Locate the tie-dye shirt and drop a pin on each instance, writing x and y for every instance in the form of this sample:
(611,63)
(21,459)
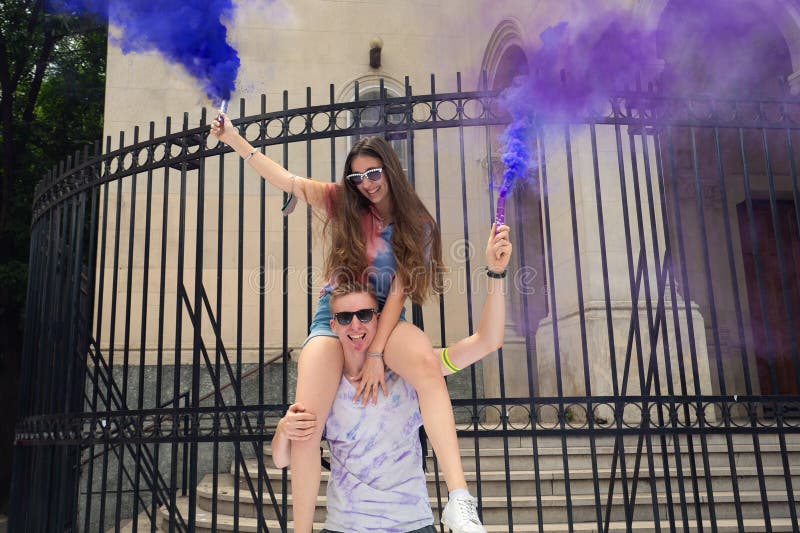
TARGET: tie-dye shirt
(377,483)
(380,255)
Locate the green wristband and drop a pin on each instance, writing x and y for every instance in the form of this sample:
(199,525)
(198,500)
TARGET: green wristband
(447,362)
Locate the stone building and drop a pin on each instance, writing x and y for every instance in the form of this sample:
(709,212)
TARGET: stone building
(325,45)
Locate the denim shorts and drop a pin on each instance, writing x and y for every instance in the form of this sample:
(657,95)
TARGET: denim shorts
(321,323)
(426,529)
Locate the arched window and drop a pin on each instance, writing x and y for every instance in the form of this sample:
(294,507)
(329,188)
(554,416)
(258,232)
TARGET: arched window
(369,88)
(398,139)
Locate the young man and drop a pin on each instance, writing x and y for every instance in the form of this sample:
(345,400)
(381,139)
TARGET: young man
(377,482)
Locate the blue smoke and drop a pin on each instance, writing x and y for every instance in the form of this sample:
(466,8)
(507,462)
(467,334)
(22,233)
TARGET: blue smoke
(188,32)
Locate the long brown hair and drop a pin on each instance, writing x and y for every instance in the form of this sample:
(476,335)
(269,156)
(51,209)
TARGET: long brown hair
(416,240)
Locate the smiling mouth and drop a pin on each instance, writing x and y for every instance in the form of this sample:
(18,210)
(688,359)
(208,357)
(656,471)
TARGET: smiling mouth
(357,337)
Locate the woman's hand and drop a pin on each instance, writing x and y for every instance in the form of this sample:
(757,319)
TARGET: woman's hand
(224,131)
(297,424)
(498,249)
(370,379)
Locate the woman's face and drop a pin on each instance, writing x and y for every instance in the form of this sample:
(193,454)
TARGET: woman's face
(376,191)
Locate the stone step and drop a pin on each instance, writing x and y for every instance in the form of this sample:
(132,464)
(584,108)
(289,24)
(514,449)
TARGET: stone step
(751,525)
(524,508)
(551,459)
(523,482)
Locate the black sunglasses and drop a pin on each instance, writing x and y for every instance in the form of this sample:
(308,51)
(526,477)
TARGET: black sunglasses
(364,315)
(374,174)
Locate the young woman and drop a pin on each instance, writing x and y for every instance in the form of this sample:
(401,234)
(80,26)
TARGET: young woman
(378,230)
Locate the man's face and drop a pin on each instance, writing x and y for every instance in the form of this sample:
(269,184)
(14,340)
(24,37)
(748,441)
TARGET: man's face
(357,335)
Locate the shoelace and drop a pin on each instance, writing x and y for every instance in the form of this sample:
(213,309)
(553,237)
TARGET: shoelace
(468,506)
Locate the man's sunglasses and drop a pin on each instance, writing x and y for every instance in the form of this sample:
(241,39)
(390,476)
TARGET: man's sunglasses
(363,315)
(374,174)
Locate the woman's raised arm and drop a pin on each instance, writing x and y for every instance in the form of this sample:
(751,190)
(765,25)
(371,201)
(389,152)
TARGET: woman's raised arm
(310,191)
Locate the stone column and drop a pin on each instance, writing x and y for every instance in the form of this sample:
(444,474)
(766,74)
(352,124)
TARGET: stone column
(598,350)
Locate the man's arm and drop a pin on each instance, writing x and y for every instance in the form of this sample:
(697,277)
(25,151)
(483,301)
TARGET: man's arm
(491,327)
(297,424)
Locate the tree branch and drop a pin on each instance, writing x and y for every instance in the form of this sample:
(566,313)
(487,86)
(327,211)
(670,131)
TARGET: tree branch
(38,76)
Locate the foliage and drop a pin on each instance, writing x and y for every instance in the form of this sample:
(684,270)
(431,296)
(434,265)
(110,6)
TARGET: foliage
(52,76)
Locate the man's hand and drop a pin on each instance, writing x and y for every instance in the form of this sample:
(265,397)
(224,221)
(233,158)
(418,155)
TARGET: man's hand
(297,424)
(370,379)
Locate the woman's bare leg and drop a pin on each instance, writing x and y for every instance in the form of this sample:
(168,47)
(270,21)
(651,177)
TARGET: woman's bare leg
(319,371)
(409,353)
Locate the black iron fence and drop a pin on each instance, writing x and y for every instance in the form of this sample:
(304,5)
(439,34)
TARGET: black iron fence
(650,378)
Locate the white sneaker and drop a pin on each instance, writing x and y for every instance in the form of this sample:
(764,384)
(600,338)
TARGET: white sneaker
(461,515)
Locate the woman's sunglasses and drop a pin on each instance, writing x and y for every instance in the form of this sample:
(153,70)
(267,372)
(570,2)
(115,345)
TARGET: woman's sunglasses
(374,174)
(363,315)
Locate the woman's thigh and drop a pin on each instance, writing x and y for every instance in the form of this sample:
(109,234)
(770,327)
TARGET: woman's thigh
(409,352)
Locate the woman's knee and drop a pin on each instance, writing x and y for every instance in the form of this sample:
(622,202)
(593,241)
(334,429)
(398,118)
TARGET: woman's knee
(409,351)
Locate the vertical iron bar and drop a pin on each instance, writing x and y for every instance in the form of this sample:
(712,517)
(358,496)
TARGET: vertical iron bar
(667,277)
(438,208)
(239,333)
(712,308)
(176,377)
(587,383)
(475,418)
(556,342)
(660,321)
(745,365)
(262,310)
(528,341)
(198,309)
(98,341)
(121,455)
(787,304)
(76,381)
(128,295)
(609,316)
(690,325)
(644,383)
(500,360)
(112,327)
(161,308)
(90,300)
(619,406)
(218,336)
(143,335)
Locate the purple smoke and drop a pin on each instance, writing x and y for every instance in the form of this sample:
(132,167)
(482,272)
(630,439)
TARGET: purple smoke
(188,32)
(698,47)
(574,70)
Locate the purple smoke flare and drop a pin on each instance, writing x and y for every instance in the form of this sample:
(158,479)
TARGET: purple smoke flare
(699,47)
(188,32)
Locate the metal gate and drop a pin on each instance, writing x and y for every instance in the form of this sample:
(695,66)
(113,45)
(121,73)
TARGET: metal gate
(650,379)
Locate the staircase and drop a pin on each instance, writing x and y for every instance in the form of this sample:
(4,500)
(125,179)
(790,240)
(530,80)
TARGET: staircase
(520,507)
